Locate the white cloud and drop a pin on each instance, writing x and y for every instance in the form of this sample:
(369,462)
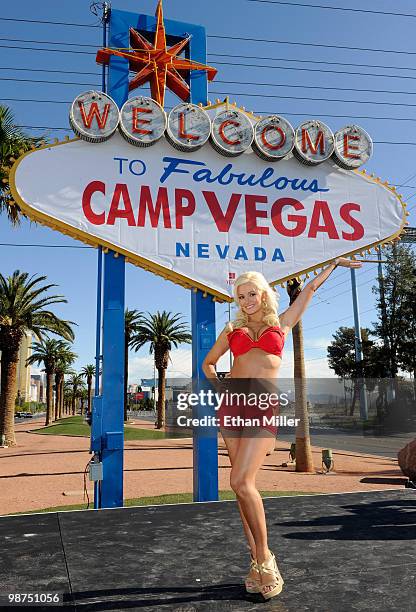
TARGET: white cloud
(141,366)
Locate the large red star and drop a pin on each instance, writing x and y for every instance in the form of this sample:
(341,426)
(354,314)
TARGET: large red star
(156,63)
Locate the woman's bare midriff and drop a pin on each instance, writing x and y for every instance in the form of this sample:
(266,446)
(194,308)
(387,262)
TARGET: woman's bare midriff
(256,363)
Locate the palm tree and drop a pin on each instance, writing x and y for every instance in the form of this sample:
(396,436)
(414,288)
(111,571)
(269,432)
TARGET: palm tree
(88,372)
(76,382)
(65,359)
(82,395)
(132,319)
(304,461)
(13,142)
(48,352)
(67,397)
(162,330)
(23,307)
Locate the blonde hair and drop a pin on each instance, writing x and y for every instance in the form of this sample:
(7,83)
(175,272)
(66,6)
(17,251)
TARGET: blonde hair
(270,316)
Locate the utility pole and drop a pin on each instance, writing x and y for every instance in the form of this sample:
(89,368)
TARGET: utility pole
(359,348)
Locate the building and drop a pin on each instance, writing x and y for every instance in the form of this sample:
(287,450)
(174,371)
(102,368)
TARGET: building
(37,388)
(23,371)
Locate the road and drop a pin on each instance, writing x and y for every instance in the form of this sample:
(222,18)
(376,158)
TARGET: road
(383,446)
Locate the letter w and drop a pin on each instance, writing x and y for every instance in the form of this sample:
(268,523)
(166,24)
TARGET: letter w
(94,112)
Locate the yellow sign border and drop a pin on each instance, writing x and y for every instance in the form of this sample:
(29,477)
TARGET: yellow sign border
(166,274)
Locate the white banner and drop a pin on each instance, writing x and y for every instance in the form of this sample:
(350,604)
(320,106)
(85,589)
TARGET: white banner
(200,218)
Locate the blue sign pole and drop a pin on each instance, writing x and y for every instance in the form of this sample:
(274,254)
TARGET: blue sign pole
(205,440)
(107,427)
(112,408)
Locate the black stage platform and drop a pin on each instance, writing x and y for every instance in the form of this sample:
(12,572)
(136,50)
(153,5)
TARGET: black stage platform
(337,553)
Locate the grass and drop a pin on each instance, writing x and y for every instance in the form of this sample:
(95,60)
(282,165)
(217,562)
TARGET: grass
(76,426)
(171,498)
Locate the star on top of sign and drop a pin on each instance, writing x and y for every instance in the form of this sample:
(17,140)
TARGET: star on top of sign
(156,63)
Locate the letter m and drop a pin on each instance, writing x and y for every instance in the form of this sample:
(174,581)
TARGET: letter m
(94,112)
(313,147)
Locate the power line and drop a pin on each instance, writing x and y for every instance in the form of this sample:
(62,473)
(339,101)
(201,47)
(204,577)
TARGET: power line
(262,95)
(40,127)
(390,91)
(337,320)
(334,8)
(243,38)
(282,112)
(310,61)
(49,70)
(45,246)
(60,23)
(49,82)
(50,42)
(249,94)
(390,76)
(307,44)
(411,93)
(48,50)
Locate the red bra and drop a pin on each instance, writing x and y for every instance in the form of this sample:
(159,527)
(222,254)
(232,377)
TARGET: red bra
(271,340)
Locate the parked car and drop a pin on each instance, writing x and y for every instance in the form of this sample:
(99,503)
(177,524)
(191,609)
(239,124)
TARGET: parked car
(27,415)
(18,415)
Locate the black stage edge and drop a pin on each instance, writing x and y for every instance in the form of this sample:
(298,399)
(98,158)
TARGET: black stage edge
(337,553)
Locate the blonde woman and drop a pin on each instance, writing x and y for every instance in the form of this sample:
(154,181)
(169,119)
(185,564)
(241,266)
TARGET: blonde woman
(256,339)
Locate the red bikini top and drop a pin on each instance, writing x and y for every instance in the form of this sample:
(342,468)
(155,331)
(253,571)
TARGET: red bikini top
(271,340)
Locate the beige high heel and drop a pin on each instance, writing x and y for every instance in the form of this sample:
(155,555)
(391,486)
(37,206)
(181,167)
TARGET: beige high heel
(253,585)
(275,579)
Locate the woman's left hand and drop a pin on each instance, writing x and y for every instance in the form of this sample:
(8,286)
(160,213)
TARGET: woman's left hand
(347,263)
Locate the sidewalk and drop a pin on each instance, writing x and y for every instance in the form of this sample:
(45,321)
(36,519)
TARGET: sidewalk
(44,470)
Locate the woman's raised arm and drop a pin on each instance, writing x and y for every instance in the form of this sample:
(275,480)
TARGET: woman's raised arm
(294,313)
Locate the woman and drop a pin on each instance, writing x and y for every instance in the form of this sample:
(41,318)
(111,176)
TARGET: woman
(256,339)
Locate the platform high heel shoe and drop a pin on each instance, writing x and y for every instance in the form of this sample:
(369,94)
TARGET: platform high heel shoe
(270,577)
(253,585)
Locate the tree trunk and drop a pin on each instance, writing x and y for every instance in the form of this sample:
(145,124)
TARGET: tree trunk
(8,397)
(304,460)
(354,397)
(161,412)
(57,395)
(62,402)
(414,384)
(73,402)
(89,400)
(126,375)
(49,397)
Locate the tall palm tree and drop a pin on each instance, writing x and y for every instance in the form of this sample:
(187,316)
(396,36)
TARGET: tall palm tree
(161,330)
(65,359)
(13,142)
(132,319)
(88,372)
(47,352)
(82,395)
(23,307)
(304,461)
(76,382)
(67,397)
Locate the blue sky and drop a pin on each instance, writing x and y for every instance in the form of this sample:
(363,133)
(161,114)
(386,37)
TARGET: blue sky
(376,89)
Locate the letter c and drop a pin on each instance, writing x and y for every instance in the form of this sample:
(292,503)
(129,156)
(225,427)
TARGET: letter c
(94,218)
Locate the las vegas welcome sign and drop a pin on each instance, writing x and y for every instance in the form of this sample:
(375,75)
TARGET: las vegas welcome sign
(203,194)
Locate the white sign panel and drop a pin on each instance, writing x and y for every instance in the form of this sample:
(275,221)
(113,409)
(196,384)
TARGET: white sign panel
(199,218)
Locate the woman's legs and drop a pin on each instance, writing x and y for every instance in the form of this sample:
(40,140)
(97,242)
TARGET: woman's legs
(248,459)
(232,444)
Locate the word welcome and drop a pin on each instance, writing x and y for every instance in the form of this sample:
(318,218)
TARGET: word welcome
(94,117)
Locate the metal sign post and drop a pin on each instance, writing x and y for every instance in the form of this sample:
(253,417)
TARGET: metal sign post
(109,409)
